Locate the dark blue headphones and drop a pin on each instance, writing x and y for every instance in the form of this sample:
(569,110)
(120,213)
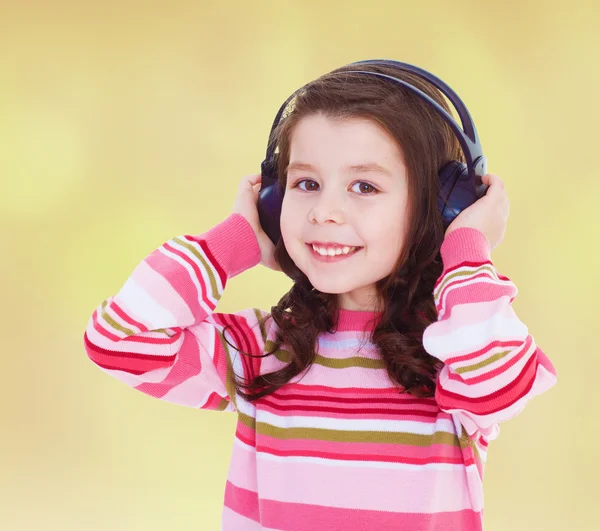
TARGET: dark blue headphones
(461,183)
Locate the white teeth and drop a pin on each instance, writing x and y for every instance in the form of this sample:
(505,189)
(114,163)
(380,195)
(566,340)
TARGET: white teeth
(333,252)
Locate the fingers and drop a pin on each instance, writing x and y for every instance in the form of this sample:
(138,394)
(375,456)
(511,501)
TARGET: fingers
(498,190)
(251,179)
(496,185)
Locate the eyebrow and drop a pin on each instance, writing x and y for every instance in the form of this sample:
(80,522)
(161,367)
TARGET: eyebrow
(359,168)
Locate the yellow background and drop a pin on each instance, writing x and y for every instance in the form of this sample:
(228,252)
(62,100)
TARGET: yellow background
(126,123)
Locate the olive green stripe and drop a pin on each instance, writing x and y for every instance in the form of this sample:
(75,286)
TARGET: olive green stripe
(413,439)
(247,420)
(456,274)
(222,405)
(207,267)
(351,436)
(121,328)
(465,442)
(354,361)
(114,324)
(259,318)
(483,363)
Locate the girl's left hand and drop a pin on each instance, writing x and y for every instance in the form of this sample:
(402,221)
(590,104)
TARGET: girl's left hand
(488,214)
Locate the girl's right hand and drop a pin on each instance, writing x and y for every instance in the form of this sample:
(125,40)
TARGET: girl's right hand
(245,205)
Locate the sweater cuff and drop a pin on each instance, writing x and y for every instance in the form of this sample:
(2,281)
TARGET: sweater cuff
(233,244)
(464,244)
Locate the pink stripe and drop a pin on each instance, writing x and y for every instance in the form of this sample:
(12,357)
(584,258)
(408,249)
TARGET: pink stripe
(239,339)
(473,293)
(219,354)
(187,364)
(133,364)
(213,401)
(394,400)
(500,397)
(129,346)
(423,490)
(473,356)
(462,284)
(242,501)
(391,452)
(303,517)
(101,329)
(356,411)
(176,278)
(325,454)
(344,393)
(203,242)
(509,361)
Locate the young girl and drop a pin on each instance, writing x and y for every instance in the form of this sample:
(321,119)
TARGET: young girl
(367,397)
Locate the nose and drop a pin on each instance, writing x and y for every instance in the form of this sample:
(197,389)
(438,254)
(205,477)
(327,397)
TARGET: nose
(327,207)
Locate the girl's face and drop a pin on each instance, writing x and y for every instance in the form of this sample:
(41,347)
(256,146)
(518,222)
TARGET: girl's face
(327,200)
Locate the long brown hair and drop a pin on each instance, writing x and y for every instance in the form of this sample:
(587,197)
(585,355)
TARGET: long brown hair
(427,143)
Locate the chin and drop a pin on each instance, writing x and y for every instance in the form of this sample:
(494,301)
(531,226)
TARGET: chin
(332,287)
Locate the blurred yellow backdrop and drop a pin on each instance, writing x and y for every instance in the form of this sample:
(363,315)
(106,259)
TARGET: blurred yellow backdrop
(126,123)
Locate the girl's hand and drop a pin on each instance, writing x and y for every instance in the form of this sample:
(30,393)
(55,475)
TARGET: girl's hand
(245,205)
(488,214)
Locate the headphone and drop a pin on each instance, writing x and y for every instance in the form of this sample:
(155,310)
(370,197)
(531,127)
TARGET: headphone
(461,183)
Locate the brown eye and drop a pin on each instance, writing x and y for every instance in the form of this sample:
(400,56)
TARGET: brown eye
(367,189)
(297,185)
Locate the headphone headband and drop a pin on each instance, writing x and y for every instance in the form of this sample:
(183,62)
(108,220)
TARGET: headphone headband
(467,135)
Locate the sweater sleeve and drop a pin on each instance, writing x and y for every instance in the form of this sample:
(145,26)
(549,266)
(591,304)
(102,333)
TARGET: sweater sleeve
(492,365)
(159,333)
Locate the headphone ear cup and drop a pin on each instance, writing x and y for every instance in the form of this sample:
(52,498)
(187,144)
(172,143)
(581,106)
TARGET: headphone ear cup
(459,189)
(270,199)
(449,203)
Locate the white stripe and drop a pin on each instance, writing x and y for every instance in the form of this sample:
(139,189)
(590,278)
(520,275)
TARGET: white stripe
(470,338)
(137,302)
(394,426)
(351,344)
(357,464)
(128,346)
(245,407)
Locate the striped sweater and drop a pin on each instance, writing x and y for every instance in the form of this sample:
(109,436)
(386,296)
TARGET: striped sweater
(338,447)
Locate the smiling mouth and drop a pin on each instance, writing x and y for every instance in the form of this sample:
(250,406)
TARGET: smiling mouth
(332,258)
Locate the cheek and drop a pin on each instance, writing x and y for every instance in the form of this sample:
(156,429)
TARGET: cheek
(285,222)
(386,238)
(289,225)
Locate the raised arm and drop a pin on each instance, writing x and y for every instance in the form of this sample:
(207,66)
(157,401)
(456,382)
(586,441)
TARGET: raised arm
(159,334)
(492,365)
